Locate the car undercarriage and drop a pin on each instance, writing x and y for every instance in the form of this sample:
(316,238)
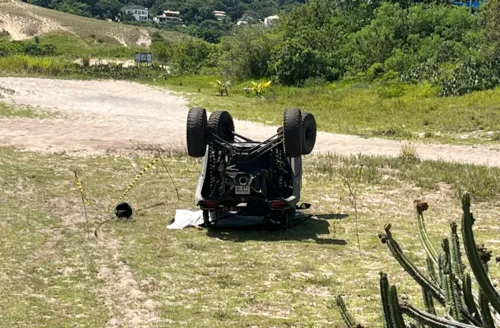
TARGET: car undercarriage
(243,177)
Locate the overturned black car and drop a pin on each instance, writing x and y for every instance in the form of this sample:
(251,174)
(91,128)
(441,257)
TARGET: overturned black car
(244,177)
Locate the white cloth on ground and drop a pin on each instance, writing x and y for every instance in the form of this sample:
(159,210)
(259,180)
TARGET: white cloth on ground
(189,218)
(186,218)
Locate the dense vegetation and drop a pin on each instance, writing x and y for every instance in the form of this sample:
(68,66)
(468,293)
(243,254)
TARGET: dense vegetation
(326,40)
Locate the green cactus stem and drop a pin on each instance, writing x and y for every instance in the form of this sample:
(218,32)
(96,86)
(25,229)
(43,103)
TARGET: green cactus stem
(429,319)
(456,254)
(386,303)
(476,264)
(452,303)
(412,270)
(424,236)
(441,269)
(397,316)
(469,298)
(445,244)
(428,302)
(449,286)
(344,312)
(431,269)
(485,311)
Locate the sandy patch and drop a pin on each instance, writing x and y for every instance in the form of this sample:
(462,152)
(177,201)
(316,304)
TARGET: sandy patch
(28,25)
(119,115)
(23,21)
(122,295)
(99,61)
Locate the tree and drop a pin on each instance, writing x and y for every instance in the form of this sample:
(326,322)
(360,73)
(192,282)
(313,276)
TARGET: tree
(490,16)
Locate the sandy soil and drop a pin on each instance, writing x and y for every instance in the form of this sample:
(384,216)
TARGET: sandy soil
(120,116)
(23,21)
(25,27)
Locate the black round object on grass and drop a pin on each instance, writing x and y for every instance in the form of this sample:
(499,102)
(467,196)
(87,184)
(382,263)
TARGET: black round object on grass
(123,211)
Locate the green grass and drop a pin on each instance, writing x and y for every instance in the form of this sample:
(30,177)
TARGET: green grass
(54,275)
(395,111)
(7,110)
(73,46)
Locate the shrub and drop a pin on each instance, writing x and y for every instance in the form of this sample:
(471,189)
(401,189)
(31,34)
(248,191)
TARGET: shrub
(472,76)
(189,56)
(293,62)
(247,54)
(375,71)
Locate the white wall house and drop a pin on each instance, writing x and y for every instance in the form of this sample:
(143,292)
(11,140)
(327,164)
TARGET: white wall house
(268,21)
(219,14)
(140,14)
(168,17)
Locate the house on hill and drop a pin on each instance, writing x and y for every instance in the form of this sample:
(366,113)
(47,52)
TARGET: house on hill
(140,14)
(245,20)
(268,21)
(168,17)
(219,14)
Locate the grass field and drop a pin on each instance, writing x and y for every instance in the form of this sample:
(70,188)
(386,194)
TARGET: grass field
(23,20)
(55,273)
(395,111)
(9,111)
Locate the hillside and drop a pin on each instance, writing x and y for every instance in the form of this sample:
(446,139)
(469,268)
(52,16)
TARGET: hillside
(23,21)
(191,11)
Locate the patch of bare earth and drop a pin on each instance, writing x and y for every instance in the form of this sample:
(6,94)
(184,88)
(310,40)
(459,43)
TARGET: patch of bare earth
(119,115)
(23,21)
(25,26)
(130,307)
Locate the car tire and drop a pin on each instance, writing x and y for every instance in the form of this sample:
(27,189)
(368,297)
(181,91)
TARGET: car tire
(292,132)
(195,134)
(221,123)
(310,130)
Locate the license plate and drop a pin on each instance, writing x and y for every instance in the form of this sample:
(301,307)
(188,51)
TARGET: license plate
(242,190)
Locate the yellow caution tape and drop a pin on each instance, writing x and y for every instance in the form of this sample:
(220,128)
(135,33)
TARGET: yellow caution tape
(82,192)
(137,177)
(129,187)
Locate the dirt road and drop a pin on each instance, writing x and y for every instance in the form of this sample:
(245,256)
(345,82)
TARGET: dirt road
(110,115)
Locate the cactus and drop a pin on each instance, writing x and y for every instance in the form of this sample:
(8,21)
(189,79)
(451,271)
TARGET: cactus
(412,270)
(485,311)
(428,302)
(431,269)
(452,298)
(397,316)
(429,319)
(441,269)
(476,264)
(422,233)
(346,316)
(469,298)
(386,305)
(456,255)
(451,285)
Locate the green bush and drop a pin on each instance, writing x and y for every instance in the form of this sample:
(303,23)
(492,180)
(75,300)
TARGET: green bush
(26,48)
(472,76)
(293,62)
(490,19)
(189,56)
(375,71)
(247,54)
